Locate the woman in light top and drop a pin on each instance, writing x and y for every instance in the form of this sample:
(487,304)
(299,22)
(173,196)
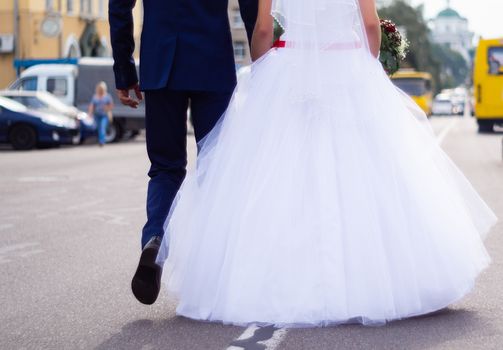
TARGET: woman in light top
(100,108)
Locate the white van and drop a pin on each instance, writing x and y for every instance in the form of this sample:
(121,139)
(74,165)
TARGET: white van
(74,85)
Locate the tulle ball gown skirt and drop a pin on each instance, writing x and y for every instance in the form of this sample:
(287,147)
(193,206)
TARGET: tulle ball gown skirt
(322,199)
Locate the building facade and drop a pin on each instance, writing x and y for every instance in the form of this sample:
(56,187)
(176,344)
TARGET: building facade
(50,29)
(451,29)
(240,40)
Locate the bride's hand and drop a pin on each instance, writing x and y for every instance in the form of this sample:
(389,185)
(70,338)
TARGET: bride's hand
(263,32)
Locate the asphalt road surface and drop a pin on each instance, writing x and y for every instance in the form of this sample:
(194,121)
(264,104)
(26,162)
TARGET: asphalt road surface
(69,242)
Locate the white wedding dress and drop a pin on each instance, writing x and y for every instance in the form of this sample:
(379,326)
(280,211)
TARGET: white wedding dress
(322,197)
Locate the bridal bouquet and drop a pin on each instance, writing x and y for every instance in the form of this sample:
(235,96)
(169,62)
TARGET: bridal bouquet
(393,47)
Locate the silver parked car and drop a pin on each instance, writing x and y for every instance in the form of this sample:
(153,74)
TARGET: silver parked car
(443,105)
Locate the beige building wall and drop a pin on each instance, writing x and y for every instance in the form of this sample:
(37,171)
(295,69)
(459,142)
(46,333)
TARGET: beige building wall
(74,16)
(6,27)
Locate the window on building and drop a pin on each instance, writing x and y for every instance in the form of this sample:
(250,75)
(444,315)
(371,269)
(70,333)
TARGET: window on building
(49,5)
(57,86)
(86,7)
(101,8)
(69,6)
(239,50)
(237,21)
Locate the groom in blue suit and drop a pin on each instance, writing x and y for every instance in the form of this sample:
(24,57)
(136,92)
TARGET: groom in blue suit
(186,59)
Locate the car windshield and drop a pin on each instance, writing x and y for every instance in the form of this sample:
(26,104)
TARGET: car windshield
(30,101)
(40,101)
(54,102)
(411,86)
(11,105)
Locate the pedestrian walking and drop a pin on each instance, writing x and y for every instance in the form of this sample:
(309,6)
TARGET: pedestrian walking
(100,108)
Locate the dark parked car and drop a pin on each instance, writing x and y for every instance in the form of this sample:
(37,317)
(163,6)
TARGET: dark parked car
(26,129)
(74,84)
(46,102)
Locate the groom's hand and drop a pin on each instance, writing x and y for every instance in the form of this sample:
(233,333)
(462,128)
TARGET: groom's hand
(126,99)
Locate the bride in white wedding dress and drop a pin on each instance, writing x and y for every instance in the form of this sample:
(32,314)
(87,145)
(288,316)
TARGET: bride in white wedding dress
(321,197)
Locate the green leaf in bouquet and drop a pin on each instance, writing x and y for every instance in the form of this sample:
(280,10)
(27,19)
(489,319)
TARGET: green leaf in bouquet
(278,30)
(384,42)
(384,56)
(394,67)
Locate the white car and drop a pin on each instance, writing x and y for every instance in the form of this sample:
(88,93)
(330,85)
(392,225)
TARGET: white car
(442,105)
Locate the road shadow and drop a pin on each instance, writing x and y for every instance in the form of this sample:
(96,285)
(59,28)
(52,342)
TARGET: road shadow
(417,333)
(429,331)
(178,333)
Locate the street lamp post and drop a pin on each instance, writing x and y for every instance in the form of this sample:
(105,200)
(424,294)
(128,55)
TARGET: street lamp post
(60,36)
(16,32)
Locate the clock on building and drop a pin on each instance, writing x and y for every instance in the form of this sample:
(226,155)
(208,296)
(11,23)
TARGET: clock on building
(51,26)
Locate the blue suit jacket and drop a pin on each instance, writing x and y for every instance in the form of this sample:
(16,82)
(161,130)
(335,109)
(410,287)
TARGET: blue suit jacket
(185,44)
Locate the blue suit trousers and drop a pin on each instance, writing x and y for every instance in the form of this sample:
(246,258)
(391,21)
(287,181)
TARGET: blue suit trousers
(166,133)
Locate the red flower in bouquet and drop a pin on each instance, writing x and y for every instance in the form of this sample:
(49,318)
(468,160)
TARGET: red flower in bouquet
(393,47)
(388,26)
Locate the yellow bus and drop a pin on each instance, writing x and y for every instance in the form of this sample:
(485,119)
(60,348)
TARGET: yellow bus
(417,85)
(488,84)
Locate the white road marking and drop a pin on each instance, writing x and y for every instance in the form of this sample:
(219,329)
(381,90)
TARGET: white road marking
(9,217)
(84,205)
(115,216)
(110,218)
(270,344)
(276,339)
(248,333)
(13,247)
(445,131)
(41,179)
(47,214)
(21,250)
(6,226)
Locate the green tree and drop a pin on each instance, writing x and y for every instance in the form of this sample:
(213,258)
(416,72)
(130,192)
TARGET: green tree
(453,67)
(447,67)
(416,31)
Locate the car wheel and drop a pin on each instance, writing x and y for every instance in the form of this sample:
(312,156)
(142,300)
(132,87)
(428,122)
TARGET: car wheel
(114,132)
(130,134)
(23,137)
(485,126)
